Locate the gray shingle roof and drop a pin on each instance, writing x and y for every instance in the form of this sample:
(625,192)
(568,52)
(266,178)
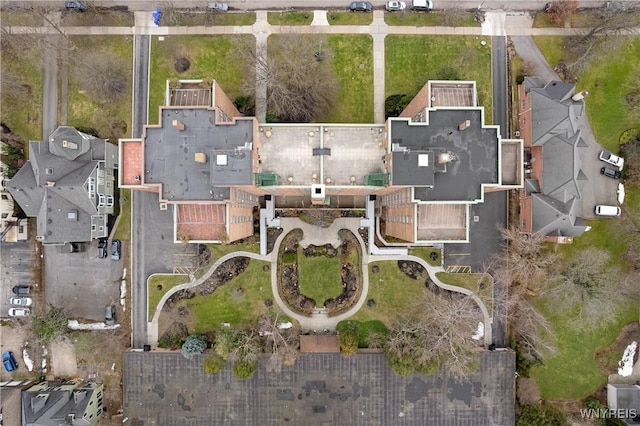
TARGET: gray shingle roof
(51,185)
(552,217)
(562,177)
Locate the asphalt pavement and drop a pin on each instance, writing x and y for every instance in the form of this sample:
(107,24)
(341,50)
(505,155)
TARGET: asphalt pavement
(500,84)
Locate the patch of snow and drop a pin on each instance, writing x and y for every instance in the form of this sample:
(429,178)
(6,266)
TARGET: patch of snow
(124,273)
(45,352)
(28,362)
(625,365)
(284,325)
(123,292)
(75,325)
(479,334)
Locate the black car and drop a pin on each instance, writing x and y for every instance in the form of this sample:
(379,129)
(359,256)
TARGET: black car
(609,172)
(102,248)
(361,6)
(116,247)
(21,289)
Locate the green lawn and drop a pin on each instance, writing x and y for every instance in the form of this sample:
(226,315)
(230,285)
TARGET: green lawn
(605,80)
(124,225)
(353,64)
(227,305)
(413,60)
(425,254)
(212,57)
(166,283)
(177,17)
(363,329)
(394,294)
(319,277)
(290,18)
(434,19)
(93,17)
(349,18)
(21,110)
(573,373)
(110,120)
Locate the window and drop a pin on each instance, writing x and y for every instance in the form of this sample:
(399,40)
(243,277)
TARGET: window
(5,215)
(4,197)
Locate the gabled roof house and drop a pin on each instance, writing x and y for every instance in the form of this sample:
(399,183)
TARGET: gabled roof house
(68,403)
(554,150)
(68,184)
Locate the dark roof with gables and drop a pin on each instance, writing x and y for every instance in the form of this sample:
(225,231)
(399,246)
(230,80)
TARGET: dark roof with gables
(553,217)
(52,184)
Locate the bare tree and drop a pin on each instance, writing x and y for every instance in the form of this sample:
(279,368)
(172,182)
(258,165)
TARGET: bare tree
(284,344)
(246,347)
(103,75)
(632,89)
(298,75)
(526,261)
(593,288)
(528,328)
(441,333)
(561,10)
(605,23)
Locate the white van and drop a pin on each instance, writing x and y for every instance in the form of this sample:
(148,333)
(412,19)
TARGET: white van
(602,210)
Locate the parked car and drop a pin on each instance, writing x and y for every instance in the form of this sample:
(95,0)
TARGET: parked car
(110,315)
(102,248)
(217,6)
(609,172)
(612,159)
(361,6)
(422,5)
(19,312)
(9,361)
(615,6)
(75,5)
(21,289)
(602,210)
(21,301)
(395,5)
(73,247)
(116,249)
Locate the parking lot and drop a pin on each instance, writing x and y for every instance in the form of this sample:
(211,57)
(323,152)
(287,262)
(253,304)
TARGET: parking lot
(17,266)
(81,282)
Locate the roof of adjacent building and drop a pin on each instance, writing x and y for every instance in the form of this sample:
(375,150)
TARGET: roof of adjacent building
(195,158)
(554,117)
(51,185)
(623,397)
(473,154)
(50,406)
(318,389)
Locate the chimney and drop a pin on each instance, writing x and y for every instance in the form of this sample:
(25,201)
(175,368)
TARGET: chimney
(178,124)
(464,125)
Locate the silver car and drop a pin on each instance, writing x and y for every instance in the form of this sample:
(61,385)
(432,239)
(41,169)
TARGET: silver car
(395,5)
(21,301)
(217,6)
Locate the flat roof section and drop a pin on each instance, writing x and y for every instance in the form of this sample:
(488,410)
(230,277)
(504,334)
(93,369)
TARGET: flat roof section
(201,222)
(355,152)
(190,155)
(442,222)
(452,95)
(318,389)
(510,163)
(288,152)
(472,149)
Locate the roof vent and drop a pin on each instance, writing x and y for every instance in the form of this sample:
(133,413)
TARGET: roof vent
(464,125)
(201,157)
(221,160)
(444,157)
(178,124)
(70,145)
(72,215)
(48,170)
(423,160)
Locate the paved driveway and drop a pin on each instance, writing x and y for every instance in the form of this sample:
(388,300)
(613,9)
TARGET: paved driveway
(81,282)
(16,264)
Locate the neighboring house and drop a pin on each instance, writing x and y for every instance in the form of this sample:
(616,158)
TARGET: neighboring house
(423,169)
(624,401)
(68,403)
(68,184)
(554,150)
(12,228)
